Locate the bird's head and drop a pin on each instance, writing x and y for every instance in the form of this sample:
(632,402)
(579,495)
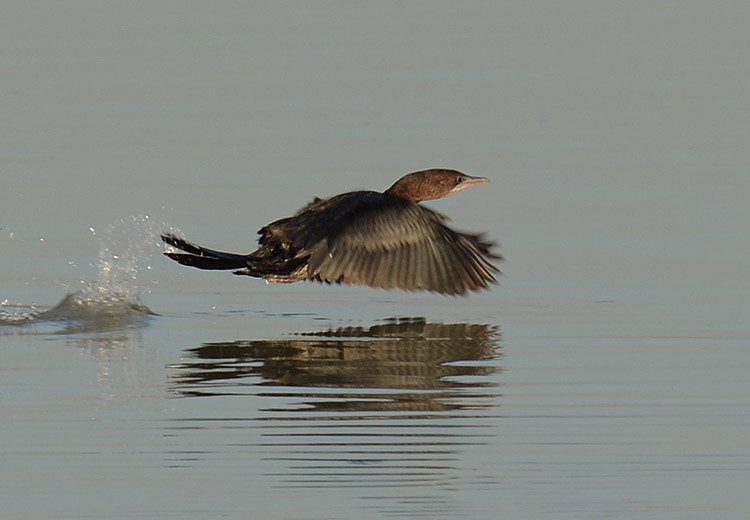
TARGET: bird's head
(432,184)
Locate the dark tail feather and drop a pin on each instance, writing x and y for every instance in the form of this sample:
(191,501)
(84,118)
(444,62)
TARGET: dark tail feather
(201,257)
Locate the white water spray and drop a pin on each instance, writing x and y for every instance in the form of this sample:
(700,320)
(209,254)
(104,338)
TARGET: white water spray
(113,298)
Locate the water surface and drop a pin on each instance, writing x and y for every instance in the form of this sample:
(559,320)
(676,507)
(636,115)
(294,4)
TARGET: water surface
(604,378)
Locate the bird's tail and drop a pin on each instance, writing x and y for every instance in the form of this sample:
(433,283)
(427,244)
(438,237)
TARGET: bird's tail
(201,257)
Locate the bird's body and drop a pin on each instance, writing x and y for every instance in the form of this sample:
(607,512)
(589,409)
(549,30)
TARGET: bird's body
(384,240)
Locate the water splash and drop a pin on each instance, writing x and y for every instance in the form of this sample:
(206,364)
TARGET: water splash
(113,299)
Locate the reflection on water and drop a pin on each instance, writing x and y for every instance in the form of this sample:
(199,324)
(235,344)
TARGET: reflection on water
(388,408)
(394,357)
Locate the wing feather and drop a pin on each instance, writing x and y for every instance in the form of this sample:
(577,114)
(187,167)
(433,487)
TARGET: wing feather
(386,242)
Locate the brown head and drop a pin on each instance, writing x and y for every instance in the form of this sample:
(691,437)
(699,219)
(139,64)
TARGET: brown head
(432,184)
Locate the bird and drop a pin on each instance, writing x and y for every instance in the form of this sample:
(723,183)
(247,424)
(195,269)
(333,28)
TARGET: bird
(378,239)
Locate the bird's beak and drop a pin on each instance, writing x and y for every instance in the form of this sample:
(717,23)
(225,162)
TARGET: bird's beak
(470,181)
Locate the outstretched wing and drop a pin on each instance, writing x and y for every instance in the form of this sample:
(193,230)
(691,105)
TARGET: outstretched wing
(387,242)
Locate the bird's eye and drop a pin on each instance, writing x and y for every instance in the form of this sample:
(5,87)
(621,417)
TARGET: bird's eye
(459,179)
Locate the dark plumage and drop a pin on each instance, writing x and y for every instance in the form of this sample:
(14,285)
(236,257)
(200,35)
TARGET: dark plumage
(376,239)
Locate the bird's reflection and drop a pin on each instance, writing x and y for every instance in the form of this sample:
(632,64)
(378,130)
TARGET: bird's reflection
(398,413)
(399,365)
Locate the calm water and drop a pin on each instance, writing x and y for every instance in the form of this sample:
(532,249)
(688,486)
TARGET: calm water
(604,378)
